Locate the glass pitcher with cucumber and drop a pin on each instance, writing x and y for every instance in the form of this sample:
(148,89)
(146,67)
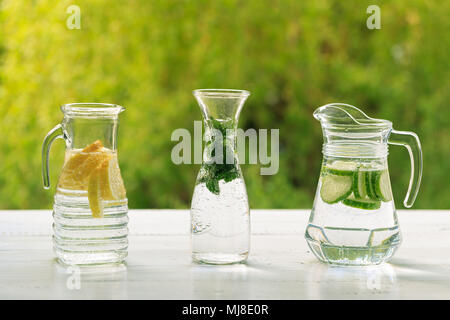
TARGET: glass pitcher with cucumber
(353,220)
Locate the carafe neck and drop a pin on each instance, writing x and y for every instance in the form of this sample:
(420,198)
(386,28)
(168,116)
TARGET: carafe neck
(220,141)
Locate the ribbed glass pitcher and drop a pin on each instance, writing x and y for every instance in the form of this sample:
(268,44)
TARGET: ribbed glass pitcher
(353,220)
(90,205)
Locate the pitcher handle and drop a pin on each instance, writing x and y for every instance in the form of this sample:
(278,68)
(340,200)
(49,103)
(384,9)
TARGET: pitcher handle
(55,133)
(411,142)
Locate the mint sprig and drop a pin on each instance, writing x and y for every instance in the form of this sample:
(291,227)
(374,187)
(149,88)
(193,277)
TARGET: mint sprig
(212,173)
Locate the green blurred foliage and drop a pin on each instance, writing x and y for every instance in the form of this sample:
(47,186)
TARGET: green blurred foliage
(293,56)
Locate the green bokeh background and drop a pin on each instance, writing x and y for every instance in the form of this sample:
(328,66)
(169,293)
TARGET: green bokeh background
(293,56)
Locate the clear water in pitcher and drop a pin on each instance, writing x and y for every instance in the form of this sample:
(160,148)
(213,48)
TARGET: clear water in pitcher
(353,221)
(90,208)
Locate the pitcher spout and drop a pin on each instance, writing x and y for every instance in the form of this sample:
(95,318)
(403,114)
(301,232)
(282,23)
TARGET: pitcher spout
(349,132)
(341,114)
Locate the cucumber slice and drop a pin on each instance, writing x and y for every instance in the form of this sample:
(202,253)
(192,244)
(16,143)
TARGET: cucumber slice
(374,181)
(335,188)
(365,204)
(382,186)
(359,184)
(368,184)
(371,177)
(341,168)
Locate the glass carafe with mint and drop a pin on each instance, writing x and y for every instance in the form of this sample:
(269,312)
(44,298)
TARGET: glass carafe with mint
(90,205)
(353,220)
(220,214)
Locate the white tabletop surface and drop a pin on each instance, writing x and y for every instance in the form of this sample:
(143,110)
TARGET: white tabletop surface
(280,265)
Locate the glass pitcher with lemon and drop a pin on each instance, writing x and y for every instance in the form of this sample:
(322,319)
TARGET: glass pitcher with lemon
(90,209)
(353,220)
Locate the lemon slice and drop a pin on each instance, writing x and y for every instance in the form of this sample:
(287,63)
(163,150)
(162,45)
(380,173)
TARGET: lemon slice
(78,168)
(94,193)
(111,183)
(94,169)
(105,183)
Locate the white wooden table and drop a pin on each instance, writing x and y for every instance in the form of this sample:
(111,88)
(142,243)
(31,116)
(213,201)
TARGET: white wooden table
(280,265)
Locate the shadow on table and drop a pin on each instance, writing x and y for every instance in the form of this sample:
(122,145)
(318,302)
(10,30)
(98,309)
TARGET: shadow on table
(311,280)
(411,268)
(371,282)
(90,282)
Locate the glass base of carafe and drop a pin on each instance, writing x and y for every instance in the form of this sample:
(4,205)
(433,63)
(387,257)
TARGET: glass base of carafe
(80,239)
(220,223)
(219,258)
(346,255)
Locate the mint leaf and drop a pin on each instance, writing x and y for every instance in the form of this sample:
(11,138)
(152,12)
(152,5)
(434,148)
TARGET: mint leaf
(212,173)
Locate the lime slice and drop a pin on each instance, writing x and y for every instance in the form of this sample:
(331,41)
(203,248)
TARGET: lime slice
(335,188)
